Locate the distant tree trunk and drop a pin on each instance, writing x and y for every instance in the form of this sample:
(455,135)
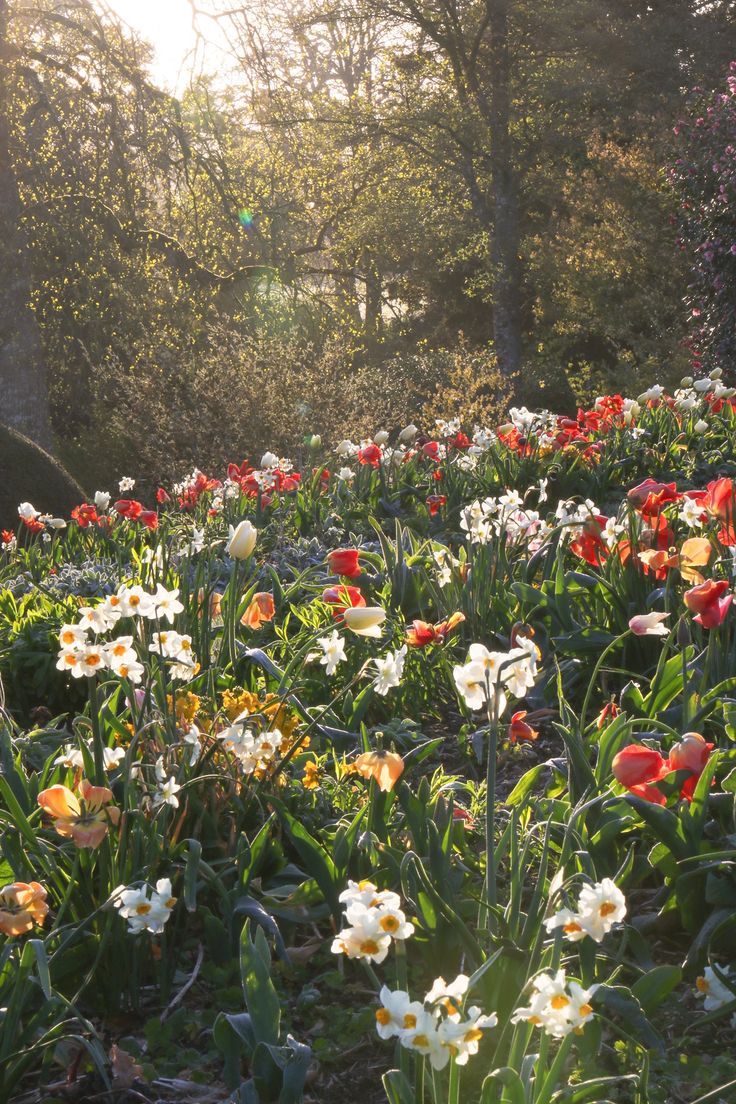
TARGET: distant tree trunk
(24,401)
(505,258)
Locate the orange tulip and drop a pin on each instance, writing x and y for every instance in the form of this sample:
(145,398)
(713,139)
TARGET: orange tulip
(22,905)
(82,818)
(385,767)
(261,609)
(695,552)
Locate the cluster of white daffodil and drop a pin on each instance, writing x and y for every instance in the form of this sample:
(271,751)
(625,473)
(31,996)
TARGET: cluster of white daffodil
(82,654)
(486,676)
(557,1005)
(146,908)
(375,918)
(437,1026)
(600,906)
(507,515)
(72,758)
(254,751)
(389,668)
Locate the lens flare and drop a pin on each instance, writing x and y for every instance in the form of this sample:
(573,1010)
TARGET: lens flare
(245,218)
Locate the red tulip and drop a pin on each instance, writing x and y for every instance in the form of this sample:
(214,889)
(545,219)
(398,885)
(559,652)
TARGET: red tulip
(608,713)
(434,502)
(342,597)
(650,496)
(637,767)
(519,729)
(709,602)
(344,561)
(85,515)
(128,508)
(423,633)
(589,544)
(371,454)
(718,498)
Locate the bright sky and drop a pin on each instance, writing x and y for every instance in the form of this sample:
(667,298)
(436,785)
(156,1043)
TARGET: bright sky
(167,25)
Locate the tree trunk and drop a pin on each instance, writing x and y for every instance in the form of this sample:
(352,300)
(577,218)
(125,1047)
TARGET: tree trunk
(24,401)
(504,253)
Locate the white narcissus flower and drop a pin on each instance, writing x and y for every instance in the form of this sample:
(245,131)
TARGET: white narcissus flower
(364,938)
(600,906)
(73,636)
(691,513)
(191,738)
(145,909)
(242,541)
(462,1037)
(135,602)
(333,648)
(397,1012)
(390,669)
(365,620)
(471,682)
(167,603)
(95,618)
(166,793)
(570,923)
(649,624)
(558,1007)
(449,994)
(715,990)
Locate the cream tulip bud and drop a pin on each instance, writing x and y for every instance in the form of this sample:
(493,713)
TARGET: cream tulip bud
(408,434)
(365,620)
(269,460)
(102,500)
(242,540)
(381,437)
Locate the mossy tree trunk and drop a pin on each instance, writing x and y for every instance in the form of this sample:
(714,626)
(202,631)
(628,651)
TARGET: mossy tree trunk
(24,401)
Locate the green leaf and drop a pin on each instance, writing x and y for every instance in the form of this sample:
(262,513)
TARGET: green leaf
(261,998)
(525,785)
(191,871)
(397,1087)
(510,1080)
(622,1003)
(583,641)
(651,989)
(316,859)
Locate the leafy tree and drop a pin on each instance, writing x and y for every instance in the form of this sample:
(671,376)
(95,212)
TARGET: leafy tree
(705,176)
